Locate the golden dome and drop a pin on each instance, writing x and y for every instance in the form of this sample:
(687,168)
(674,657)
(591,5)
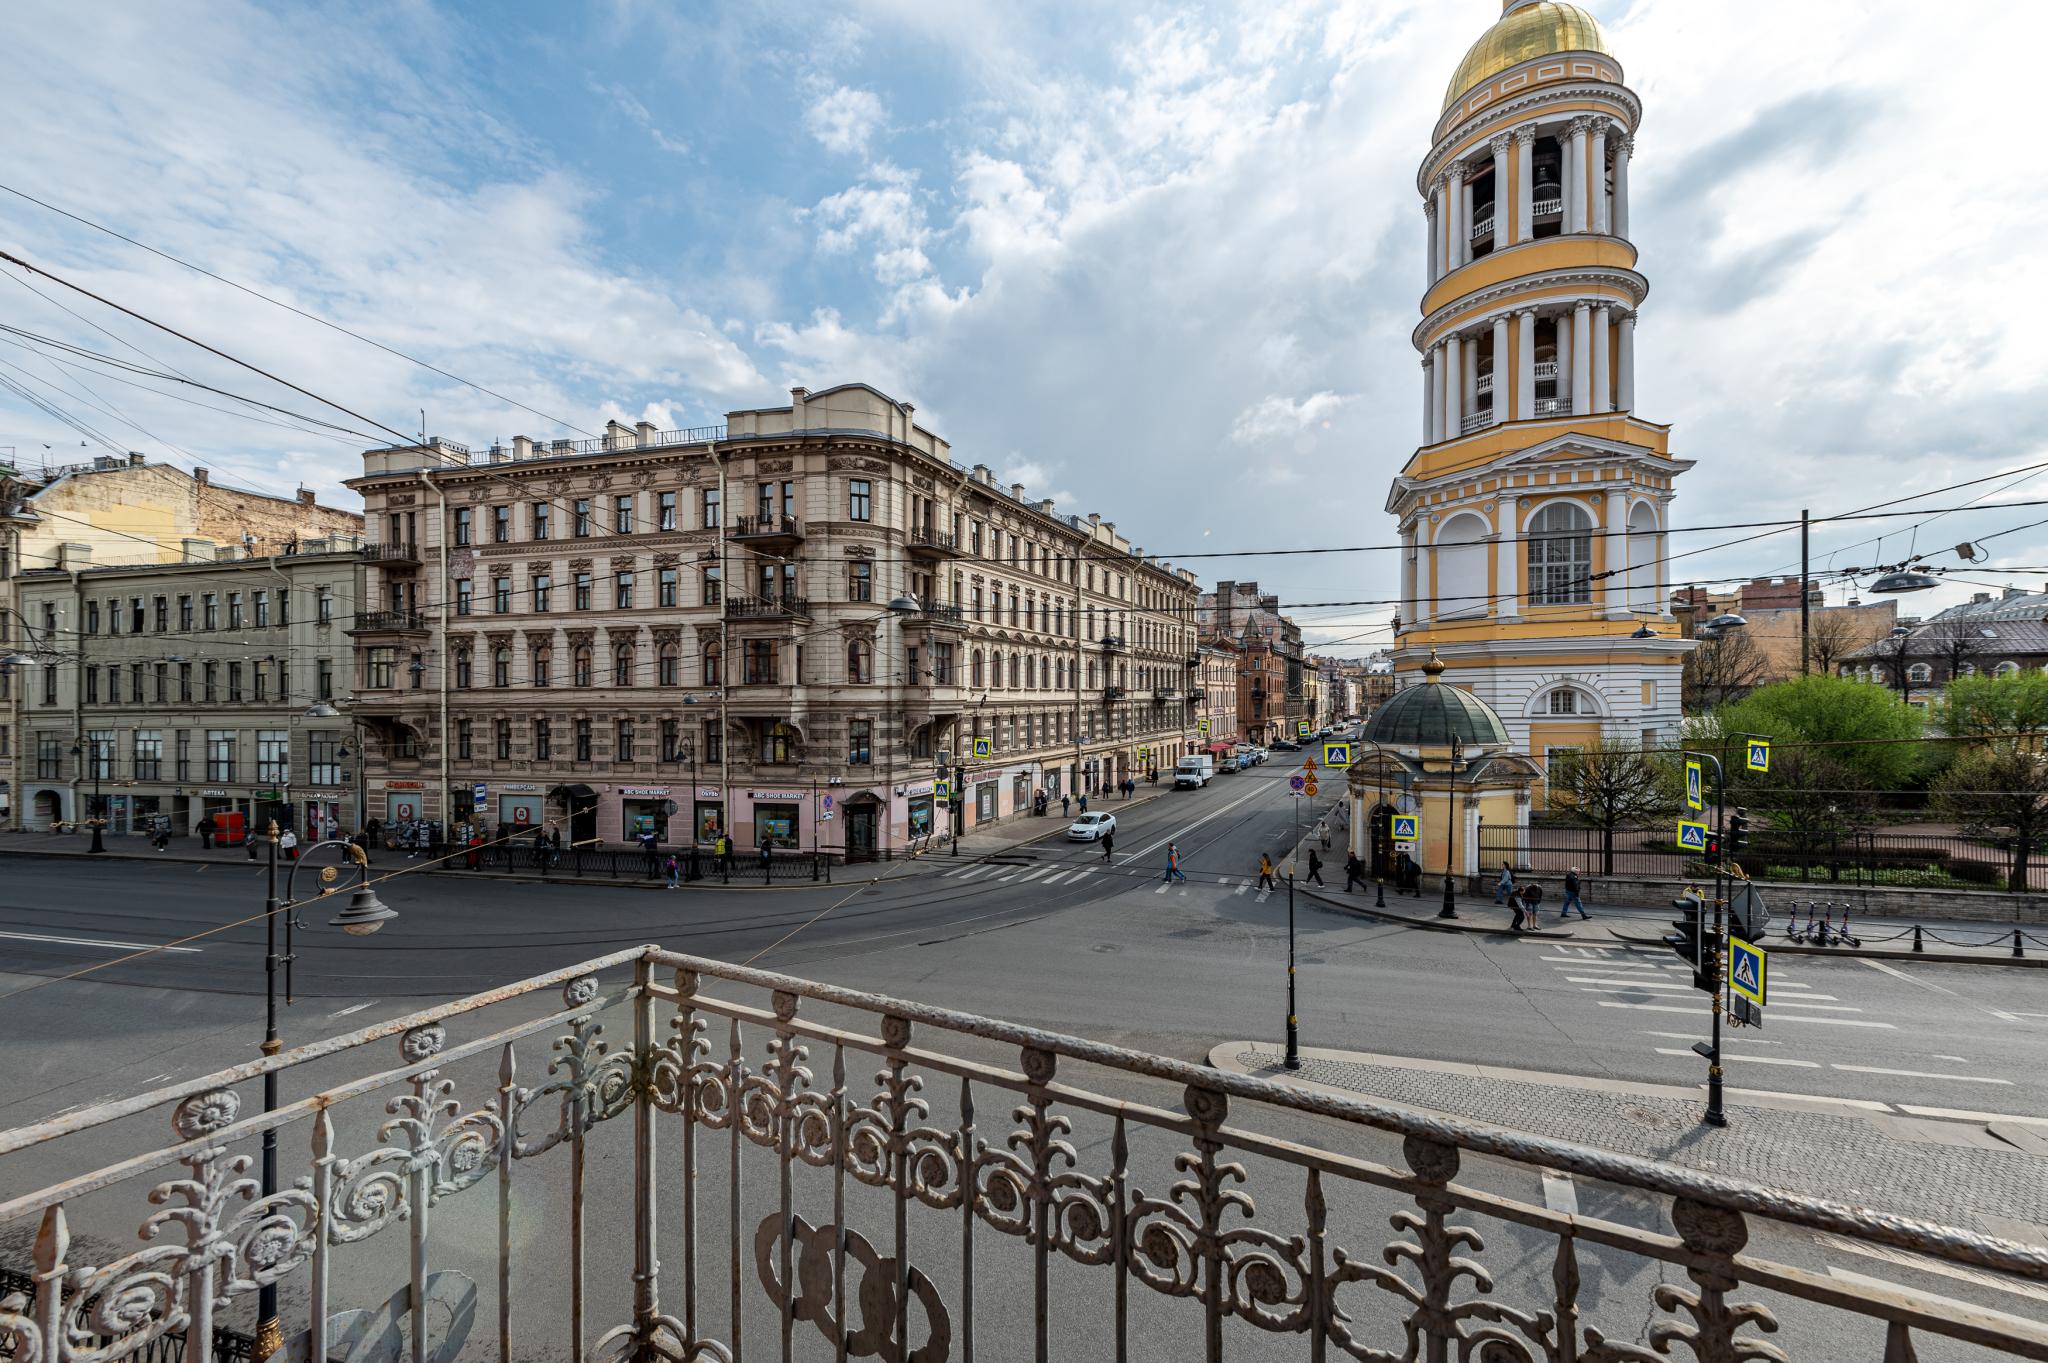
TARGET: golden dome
(1538,30)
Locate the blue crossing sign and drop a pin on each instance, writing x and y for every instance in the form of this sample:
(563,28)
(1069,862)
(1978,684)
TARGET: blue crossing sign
(1336,754)
(942,790)
(984,747)
(1760,754)
(1692,784)
(1692,837)
(1407,827)
(1747,965)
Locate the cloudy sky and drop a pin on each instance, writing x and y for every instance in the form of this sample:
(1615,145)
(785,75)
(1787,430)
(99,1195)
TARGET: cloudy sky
(1159,261)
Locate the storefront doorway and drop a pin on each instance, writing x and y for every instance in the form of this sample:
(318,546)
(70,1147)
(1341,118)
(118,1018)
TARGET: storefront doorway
(709,821)
(577,808)
(861,817)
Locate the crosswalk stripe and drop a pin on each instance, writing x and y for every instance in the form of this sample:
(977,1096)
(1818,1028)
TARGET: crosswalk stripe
(1038,872)
(1056,877)
(1080,876)
(974,872)
(1748,1059)
(1834,1022)
(1241,889)
(1817,1007)
(957,870)
(1920,1074)
(1647,1007)
(1161,890)
(1011,874)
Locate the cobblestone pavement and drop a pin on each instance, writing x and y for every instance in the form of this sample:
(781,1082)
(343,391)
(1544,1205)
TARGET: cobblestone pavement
(1845,1157)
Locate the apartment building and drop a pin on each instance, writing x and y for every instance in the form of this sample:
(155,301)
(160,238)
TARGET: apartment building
(180,689)
(807,626)
(1216,694)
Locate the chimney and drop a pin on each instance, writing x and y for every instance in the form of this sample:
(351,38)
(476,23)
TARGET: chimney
(522,447)
(74,556)
(615,436)
(306,496)
(199,476)
(2011,592)
(799,409)
(198,551)
(1979,598)
(135,459)
(1017,491)
(1094,518)
(982,474)
(646,431)
(1045,505)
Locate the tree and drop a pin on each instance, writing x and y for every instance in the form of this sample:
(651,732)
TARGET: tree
(1867,730)
(1897,650)
(1951,642)
(1832,635)
(1721,669)
(1979,706)
(1610,786)
(1999,792)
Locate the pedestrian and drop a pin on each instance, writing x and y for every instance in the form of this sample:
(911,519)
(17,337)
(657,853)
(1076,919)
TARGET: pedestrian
(1571,897)
(249,841)
(1084,802)
(726,860)
(1504,888)
(1066,806)
(1408,876)
(767,847)
(206,825)
(473,858)
(1266,872)
(1315,868)
(1354,872)
(1173,871)
(1323,833)
(675,872)
(289,843)
(1108,843)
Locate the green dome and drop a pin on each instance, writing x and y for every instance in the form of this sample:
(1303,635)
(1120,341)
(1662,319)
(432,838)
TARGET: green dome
(1431,715)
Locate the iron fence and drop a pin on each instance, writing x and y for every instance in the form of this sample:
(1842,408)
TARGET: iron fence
(18,1292)
(1846,857)
(956,1200)
(693,863)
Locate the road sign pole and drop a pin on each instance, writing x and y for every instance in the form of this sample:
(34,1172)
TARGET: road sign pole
(1293,1029)
(1713,950)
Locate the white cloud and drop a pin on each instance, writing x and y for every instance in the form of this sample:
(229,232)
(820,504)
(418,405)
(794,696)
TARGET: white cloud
(844,119)
(628,104)
(1277,418)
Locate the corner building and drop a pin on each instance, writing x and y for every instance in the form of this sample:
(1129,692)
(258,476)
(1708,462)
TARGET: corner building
(1534,514)
(696,631)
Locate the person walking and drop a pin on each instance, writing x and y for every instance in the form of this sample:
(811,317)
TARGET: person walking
(726,860)
(1410,876)
(289,845)
(1108,844)
(1066,806)
(1571,897)
(1504,888)
(1354,872)
(675,872)
(1084,802)
(205,826)
(1323,833)
(1315,868)
(249,841)
(1173,871)
(1266,873)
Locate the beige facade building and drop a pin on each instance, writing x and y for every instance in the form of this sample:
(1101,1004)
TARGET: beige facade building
(1216,695)
(808,626)
(127,510)
(179,690)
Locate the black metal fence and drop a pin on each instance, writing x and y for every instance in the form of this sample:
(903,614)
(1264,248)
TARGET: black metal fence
(626,864)
(229,1346)
(1846,857)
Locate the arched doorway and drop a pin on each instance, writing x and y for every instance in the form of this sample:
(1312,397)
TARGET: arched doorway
(49,808)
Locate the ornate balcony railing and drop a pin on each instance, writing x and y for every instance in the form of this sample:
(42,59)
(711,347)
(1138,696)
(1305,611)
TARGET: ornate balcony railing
(368,622)
(818,1160)
(398,551)
(771,527)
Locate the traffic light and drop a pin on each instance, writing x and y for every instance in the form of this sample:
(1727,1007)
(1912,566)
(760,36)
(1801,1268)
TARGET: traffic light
(1738,829)
(1689,938)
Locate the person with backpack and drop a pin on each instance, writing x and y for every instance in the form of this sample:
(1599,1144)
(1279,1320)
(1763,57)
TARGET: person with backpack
(675,872)
(1315,868)
(1173,871)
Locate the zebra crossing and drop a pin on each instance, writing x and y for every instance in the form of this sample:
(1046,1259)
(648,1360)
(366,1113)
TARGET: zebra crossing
(996,873)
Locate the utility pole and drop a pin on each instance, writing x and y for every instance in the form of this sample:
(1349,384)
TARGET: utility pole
(1293,1022)
(1805,608)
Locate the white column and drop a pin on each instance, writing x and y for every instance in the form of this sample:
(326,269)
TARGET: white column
(1614,587)
(1454,200)
(1564,358)
(1603,390)
(1468,369)
(1411,594)
(1525,183)
(1525,366)
(1503,206)
(1431,249)
(1582,359)
(1575,197)
(1437,372)
(1508,595)
(1430,405)
(1598,166)
(1453,388)
(1623,145)
(1501,387)
(1625,366)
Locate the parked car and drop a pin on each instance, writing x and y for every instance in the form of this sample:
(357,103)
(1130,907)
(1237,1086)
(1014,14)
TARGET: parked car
(1229,762)
(1286,745)
(1091,826)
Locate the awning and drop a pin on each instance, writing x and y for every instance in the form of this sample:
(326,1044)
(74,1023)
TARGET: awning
(576,795)
(1219,747)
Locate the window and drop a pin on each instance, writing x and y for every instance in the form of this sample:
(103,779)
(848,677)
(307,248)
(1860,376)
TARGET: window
(710,504)
(582,740)
(185,614)
(234,682)
(261,604)
(665,510)
(92,617)
(501,596)
(380,669)
(1560,556)
(714,589)
(714,743)
(465,590)
(501,667)
(273,756)
(543,665)
(542,593)
(671,749)
(579,665)
(503,744)
(50,758)
(714,665)
(284,605)
(323,758)
(859,667)
(543,740)
(859,500)
(1920,672)
(775,743)
(462,738)
(860,581)
(220,754)
(859,752)
(622,665)
(210,607)
(462,519)
(323,605)
(501,525)
(942,664)
(622,749)
(462,669)
(622,514)
(134,683)
(582,509)
(582,590)
(163,614)
(758,662)
(1564,701)
(2005,669)
(323,679)
(622,584)
(541,512)
(667,671)
(262,682)
(163,676)
(975,671)
(668,592)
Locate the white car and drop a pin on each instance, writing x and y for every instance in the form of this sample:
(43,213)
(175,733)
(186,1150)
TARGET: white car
(1091,826)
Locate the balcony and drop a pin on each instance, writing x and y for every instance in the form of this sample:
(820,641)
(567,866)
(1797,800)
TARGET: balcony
(680,1109)
(767,532)
(784,607)
(1114,643)
(1113,693)
(940,617)
(1553,407)
(1546,369)
(1548,208)
(389,622)
(925,542)
(1482,228)
(1476,421)
(403,554)
(1166,693)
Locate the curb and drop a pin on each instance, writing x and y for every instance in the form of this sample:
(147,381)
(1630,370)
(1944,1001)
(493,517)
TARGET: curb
(1872,953)
(1438,924)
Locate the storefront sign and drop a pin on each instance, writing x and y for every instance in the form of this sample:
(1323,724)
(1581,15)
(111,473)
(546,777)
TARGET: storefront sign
(404,785)
(707,792)
(775,794)
(221,792)
(520,787)
(643,790)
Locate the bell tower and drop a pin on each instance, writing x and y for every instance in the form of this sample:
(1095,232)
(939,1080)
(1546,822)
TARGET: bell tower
(1534,512)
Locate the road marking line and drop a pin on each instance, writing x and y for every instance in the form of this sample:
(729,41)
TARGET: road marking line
(1963,1115)
(1161,890)
(1222,881)
(1252,794)
(1633,989)
(352,1008)
(97,942)
(1648,1007)
(1080,876)
(1264,895)
(974,871)
(1920,1074)
(1011,874)
(1624,980)
(1837,1022)
(1241,889)
(1959,1059)
(1897,973)
(1749,1059)
(957,870)
(1037,873)
(1726,1040)
(1559,1194)
(1816,1007)
(1055,878)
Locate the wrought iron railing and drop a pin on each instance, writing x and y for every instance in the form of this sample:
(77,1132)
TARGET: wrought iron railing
(767,527)
(399,619)
(911,1182)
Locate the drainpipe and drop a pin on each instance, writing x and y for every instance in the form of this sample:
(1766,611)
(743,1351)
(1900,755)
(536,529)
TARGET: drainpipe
(441,510)
(78,682)
(730,826)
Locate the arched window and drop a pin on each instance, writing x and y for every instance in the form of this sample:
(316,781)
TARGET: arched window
(501,667)
(1564,701)
(975,672)
(1642,557)
(1016,672)
(1920,672)
(1560,556)
(462,669)
(713,665)
(2005,669)
(670,672)
(1461,586)
(858,667)
(580,664)
(543,665)
(622,665)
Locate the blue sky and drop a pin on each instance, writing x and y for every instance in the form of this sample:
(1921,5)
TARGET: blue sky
(1158,261)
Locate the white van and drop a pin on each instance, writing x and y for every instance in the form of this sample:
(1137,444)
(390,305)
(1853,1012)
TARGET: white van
(1192,773)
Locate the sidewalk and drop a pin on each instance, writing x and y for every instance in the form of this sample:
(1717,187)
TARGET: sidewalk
(1023,829)
(1821,1147)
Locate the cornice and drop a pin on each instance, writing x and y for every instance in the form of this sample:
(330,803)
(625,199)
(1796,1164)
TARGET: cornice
(1518,109)
(1509,290)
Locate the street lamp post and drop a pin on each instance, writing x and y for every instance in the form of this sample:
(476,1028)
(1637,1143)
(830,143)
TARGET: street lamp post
(1450,908)
(1293,1023)
(364,915)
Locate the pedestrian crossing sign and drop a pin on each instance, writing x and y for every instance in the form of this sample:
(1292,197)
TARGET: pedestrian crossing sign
(1407,827)
(1760,754)
(1692,784)
(1202,726)
(984,747)
(942,790)
(1692,837)
(1746,969)
(1144,753)
(1336,755)
(1301,728)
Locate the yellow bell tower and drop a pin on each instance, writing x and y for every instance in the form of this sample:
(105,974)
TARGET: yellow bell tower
(1534,513)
